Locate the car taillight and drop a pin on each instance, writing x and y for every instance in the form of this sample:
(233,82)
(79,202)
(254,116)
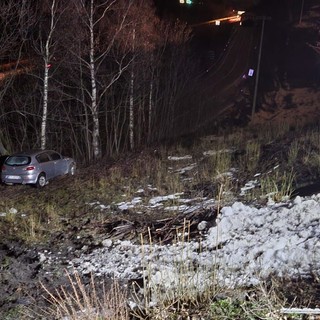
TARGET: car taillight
(29,168)
(3,168)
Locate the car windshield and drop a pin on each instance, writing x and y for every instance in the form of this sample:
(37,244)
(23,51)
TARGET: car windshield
(18,161)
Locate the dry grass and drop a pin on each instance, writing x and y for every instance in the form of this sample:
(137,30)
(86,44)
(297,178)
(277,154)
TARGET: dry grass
(261,302)
(209,162)
(172,293)
(82,301)
(277,186)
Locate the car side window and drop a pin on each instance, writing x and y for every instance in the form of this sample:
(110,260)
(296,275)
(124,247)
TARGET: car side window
(43,157)
(55,156)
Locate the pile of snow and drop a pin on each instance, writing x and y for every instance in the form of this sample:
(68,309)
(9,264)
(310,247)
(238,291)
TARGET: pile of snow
(247,245)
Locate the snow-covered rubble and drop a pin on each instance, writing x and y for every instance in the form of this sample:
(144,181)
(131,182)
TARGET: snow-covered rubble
(247,245)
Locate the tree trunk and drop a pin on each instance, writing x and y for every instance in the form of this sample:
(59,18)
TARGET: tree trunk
(45,106)
(94,105)
(47,55)
(131,117)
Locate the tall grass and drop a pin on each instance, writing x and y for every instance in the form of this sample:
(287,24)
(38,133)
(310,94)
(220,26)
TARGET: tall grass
(261,302)
(278,186)
(293,152)
(170,293)
(252,156)
(270,131)
(81,301)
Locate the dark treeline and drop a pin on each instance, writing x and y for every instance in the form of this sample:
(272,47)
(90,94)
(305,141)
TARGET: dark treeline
(90,78)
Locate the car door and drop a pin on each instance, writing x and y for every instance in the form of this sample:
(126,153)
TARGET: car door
(60,164)
(46,164)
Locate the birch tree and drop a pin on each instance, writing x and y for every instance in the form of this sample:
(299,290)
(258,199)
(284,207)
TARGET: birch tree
(46,45)
(101,30)
(159,73)
(140,38)
(155,78)
(146,38)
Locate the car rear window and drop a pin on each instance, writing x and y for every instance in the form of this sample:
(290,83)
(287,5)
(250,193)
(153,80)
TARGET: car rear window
(18,161)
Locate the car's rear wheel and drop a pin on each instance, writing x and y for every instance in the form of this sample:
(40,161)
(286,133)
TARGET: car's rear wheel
(72,169)
(41,181)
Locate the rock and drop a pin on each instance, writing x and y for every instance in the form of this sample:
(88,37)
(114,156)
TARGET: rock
(107,243)
(202,225)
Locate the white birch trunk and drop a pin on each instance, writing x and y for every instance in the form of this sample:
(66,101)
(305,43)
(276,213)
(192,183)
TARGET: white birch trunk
(94,106)
(45,106)
(43,134)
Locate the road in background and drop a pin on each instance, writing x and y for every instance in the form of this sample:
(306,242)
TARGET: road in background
(287,61)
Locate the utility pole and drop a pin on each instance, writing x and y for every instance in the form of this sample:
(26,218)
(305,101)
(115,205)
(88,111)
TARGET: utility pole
(258,68)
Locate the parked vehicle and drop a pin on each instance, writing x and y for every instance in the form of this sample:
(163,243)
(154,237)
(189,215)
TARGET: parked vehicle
(36,167)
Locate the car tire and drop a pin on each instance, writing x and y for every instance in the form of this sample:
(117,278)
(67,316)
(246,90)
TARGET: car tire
(41,181)
(72,169)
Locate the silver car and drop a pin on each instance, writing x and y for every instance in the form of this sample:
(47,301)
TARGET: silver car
(36,167)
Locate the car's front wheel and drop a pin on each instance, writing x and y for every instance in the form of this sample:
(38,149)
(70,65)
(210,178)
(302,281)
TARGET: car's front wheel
(41,181)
